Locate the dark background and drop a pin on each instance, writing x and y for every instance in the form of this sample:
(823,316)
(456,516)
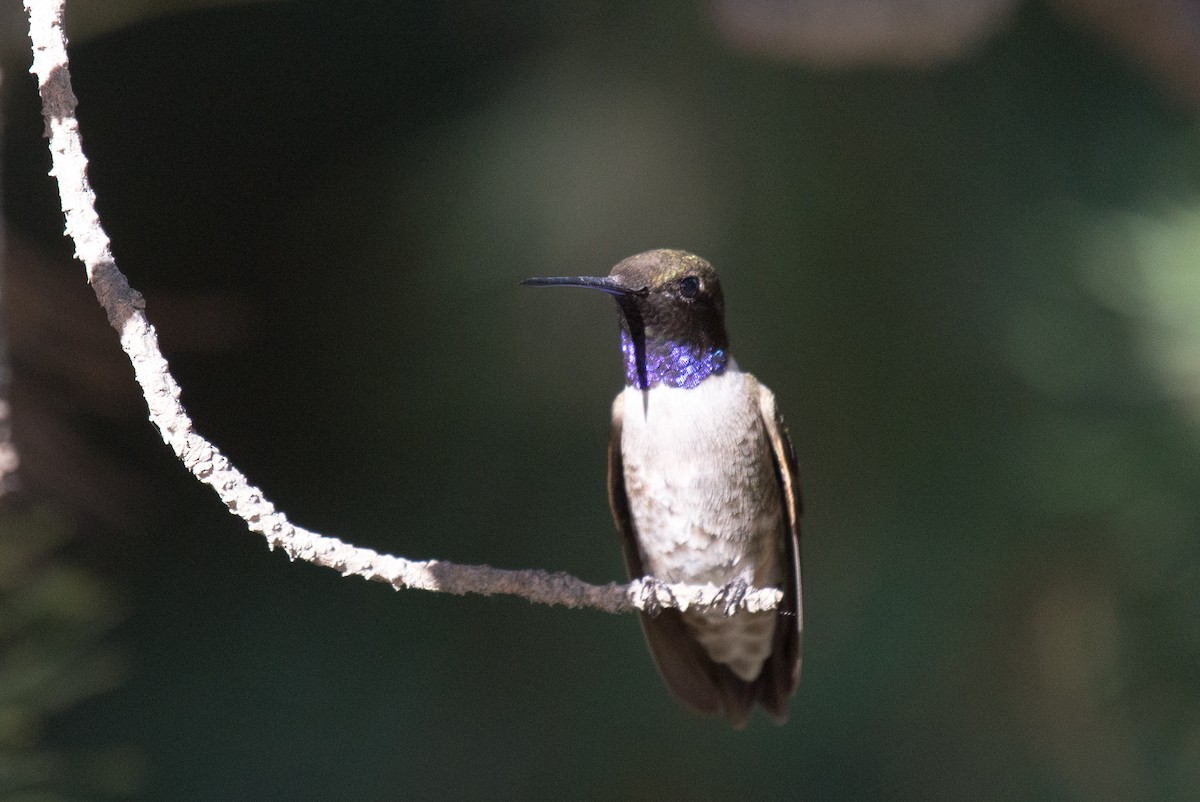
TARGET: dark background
(971,283)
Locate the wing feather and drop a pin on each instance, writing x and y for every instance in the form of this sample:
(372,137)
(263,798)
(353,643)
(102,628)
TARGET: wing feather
(781,673)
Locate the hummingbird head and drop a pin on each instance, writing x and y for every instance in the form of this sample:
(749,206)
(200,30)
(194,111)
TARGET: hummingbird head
(675,293)
(672,316)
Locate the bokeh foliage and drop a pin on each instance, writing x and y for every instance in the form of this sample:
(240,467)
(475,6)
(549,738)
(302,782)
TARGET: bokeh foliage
(973,289)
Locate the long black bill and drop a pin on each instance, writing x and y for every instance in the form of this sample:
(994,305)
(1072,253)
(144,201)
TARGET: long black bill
(625,300)
(602,283)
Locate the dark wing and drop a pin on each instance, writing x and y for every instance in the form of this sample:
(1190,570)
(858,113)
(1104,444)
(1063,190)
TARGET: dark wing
(781,673)
(698,681)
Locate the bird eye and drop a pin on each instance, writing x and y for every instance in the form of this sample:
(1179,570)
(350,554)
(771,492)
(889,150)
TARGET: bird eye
(689,286)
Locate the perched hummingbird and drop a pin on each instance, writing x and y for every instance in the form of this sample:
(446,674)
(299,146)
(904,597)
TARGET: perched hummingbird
(703,486)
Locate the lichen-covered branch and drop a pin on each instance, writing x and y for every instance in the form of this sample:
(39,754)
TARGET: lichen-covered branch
(126,313)
(9,458)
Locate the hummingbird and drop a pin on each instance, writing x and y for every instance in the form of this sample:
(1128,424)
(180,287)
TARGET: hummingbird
(703,487)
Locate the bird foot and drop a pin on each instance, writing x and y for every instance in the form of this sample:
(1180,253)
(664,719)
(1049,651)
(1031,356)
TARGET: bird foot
(732,595)
(651,588)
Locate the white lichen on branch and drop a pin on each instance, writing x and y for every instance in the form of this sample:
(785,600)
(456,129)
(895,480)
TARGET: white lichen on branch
(126,313)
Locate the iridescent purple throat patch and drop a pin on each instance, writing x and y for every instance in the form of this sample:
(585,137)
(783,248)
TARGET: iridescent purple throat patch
(672,364)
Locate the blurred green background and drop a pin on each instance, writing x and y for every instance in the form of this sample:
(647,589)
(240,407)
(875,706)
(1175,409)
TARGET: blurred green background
(972,282)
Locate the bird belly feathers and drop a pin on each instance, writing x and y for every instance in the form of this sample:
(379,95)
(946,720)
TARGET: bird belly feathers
(705,502)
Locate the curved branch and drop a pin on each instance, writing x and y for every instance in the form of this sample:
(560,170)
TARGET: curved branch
(126,313)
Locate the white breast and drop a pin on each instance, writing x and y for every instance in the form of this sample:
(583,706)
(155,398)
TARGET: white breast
(705,501)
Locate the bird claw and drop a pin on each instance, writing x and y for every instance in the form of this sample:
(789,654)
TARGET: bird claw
(652,586)
(732,595)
